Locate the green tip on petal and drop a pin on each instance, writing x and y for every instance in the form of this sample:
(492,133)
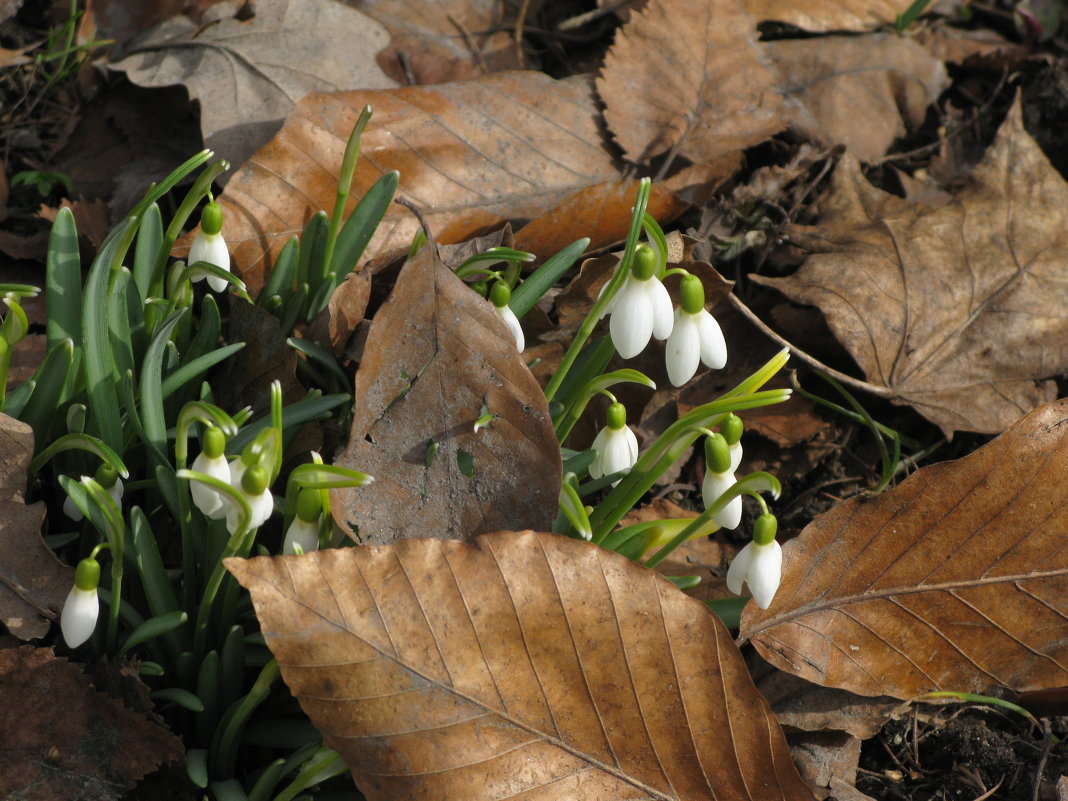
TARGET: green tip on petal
(645,262)
(87,574)
(211,219)
(691,294)
(500,295)
(765,529)
(616,416)
(731,428)
(717,454)
(214,443)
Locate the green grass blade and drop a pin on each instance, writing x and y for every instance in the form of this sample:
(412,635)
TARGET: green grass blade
(526,296)
(149,240)
(151,391)
(42,403)
(299,413)
(193,370)
(310,268)
(284,272)
(63,282)
(153,628)
(321,356)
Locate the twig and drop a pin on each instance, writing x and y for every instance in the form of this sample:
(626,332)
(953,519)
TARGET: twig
(1047,746)
(520,19)
(589,16)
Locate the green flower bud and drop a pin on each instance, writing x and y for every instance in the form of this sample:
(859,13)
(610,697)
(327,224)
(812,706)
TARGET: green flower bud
(765,529)
(214,442)
(717,454)
(500,294)
(691,294)
(211,219)
(106,475)
(309,505)
(87,574)
(731,428)
(645,262)
(616,416)
(255,480)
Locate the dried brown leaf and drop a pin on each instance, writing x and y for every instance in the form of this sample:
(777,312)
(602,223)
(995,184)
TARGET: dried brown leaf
(248,74)
(955,580)
(33,582)
(855,90)
(61,739)
(956,310)
(471,155)
(437,354)
(828,15)
(688,77)
(519,664)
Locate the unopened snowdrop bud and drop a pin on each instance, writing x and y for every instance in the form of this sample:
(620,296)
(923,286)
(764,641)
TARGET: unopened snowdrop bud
(642,309)
(210,246)
(252,481)
(211,462)
(696,337)
(82,607)
(303,532)
(615,446)
(718,479)
(759,564)
(500,295)
(731,428)
(108,478)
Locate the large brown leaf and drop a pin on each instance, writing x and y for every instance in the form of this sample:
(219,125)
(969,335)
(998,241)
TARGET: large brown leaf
(958,310)
(33,582)
(828,15)
(436,356)
(520,665)
(855,90)
(955,580)
(471,155)
(687,76)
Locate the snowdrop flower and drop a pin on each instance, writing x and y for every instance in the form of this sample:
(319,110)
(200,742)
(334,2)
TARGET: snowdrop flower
(731,428)
(695,337)
(253,481)
(210,246)
(759,563)
(82,607)
(642,309)
(719,477)
(615,445)
(106,477)
(500,295)
(304,530)
(211,462)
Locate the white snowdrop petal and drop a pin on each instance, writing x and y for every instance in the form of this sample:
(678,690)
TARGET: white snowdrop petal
(514,327)
(663,312)
(632,445)
(208,499)
(596,466)
(764,573)
(713,346)
(303,533)
(683,350)
(262,508)
(714,485)
(618,452)
(71,510)
(631,325)
(735,451)
(79,616)
(739,567)
(212,249)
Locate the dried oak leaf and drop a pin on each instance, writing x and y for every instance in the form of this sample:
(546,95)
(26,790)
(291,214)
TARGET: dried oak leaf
(247,75)
(953,310)
(688,77)
(854,90)
(520,664)
(60,738)
(957,579)
(33,582)
(437,356)
(471,155)
(828,15)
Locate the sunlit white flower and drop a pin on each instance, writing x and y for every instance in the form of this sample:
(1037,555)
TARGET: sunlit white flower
(82,607)
(719,477)
(259,497)
(208,499)
(500,296)
(642,307)
(304,533)
(758,564)
(210,246)
(615,446)
(695,337)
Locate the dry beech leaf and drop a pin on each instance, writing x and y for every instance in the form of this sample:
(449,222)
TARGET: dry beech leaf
(247,75)
(437,354)
(854,90)
(954,310)
(471,155)
(688,77)
(955,580)
(519,665)
(61,739)
(33,582)
(828,15)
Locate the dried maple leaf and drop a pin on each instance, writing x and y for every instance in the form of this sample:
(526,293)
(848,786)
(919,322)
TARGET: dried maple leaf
(954,310)
(854,90)
(438,358)
(688,77)
(518,665)
(957,579)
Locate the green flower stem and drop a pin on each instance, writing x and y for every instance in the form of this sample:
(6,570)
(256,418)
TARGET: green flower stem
(615,283)
(344,186)
(568,419)
(114,531)
(748,485)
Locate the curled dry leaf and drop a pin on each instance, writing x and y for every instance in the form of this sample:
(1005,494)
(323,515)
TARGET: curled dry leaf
(33,582)
(437,355)
(519,664)
(247,75)
(688,77)
(854,90)
(957,310)
(955,580)
(828,15)
(471,156)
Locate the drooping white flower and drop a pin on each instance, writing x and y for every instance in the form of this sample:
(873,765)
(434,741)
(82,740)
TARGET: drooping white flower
(758,564)
(211,462)
(210,246)
(255,487)
(107,478)
(500,296)
(731,428)
(718,479)
(304,530)
(695,337)
(641,309)
(615,445)
(82,607)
